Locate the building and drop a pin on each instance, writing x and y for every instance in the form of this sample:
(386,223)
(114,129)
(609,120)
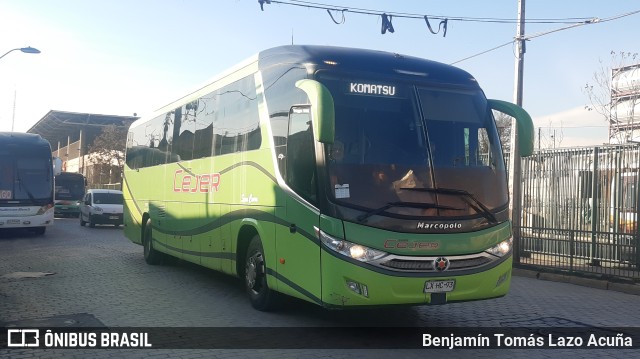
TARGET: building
(71,135)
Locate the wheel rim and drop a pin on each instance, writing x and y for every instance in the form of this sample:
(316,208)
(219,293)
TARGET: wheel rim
(254,272)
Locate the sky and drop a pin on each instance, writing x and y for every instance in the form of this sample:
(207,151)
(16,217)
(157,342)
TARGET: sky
(124,57)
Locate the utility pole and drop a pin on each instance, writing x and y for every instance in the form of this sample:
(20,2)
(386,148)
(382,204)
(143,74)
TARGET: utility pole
(515,172)
(13,116)
(520,50)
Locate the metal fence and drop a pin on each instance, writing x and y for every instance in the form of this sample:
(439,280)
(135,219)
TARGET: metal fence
(580,210)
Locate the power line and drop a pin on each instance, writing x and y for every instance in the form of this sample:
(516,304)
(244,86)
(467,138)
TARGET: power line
(387,16)
(576,127)
(529,37)
(365,11)
(484,52)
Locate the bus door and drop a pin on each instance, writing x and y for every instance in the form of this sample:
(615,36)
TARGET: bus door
(298,250)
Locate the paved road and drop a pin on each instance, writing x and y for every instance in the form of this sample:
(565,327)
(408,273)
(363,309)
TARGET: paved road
(83,276)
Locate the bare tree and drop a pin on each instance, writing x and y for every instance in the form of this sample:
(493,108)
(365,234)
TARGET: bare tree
(552,136)
(107,154)
(503,123)
(598,91)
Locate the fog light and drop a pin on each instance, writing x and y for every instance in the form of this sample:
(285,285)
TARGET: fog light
(502,279)
(358,288)
(353,286)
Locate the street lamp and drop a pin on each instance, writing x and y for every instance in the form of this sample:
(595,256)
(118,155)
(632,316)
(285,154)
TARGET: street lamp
(26,50)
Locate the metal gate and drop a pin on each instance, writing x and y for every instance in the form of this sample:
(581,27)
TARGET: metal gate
(580,210)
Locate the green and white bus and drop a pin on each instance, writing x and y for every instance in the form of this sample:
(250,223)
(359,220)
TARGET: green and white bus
(69,191)
(344,177)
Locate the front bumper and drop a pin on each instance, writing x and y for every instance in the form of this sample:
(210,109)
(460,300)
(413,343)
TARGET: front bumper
(107,218)
(378,288)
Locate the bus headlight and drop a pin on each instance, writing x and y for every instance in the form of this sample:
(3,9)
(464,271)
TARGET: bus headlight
(348,249)
(501,249)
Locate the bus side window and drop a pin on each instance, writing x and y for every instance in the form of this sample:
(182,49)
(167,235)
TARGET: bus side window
(300,157)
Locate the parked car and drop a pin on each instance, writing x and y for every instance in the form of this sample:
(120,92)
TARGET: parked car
(101,206)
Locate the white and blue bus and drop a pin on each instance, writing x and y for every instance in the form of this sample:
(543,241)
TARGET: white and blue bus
(26,182)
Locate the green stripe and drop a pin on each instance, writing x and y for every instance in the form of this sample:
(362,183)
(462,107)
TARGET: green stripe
(250,164)
(296,287)
(222,255)
(239,164)
(232,256)
(233,216)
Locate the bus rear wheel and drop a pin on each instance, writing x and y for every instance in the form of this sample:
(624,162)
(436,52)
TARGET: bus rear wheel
(151,256)
(260,295)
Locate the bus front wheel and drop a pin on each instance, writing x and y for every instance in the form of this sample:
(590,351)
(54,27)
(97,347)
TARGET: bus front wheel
(151,256)
(261,296)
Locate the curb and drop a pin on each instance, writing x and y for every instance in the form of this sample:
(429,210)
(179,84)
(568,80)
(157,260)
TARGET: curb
(628,288)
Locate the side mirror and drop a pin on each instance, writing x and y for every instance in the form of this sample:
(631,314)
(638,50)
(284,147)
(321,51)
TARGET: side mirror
(322,109)
(523,122)
(57,166)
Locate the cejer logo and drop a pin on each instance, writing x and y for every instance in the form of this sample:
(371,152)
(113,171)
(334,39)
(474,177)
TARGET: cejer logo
(203,183)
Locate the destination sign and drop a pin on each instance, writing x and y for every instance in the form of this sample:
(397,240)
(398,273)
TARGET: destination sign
(372,89)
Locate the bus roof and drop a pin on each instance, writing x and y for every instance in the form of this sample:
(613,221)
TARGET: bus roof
(368,61)
(336,58)
(19,139)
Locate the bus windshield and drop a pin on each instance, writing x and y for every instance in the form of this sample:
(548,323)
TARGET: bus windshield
(69,187)
(25,178)
(409,150)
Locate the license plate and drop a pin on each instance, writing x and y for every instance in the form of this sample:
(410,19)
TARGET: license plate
(13,221)
(439,286)
(113,217)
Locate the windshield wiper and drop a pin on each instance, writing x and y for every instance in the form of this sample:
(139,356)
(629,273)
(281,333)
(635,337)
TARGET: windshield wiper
(469,198)
(26,189)
(363,217)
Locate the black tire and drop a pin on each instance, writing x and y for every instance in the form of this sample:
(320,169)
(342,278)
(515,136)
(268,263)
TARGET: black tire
(255,277)
(91,224)
(82,222)
(151,256)
(39,231)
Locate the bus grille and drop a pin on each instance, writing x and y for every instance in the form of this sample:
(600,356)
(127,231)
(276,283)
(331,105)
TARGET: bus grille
(427,264)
